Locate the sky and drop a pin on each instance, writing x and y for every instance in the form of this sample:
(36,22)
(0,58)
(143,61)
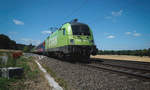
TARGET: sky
(116,24)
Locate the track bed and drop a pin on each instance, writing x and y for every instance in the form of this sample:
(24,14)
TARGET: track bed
(80,77)
(125,63)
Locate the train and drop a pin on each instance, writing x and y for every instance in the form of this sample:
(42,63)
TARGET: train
(73,39)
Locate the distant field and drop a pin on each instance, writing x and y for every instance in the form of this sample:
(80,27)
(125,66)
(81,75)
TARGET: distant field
(123,57)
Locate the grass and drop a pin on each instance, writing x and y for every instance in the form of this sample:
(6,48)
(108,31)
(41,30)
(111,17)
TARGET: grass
(61,81)
(10,62)
(31,73)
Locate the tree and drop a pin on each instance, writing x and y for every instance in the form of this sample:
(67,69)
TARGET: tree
(12,44)
(148,52)
(26,49)
(5,42)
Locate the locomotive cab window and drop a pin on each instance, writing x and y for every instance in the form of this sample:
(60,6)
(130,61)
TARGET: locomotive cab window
(64,32)
(80,30)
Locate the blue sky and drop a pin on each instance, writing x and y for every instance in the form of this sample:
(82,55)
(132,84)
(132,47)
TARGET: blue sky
(116,24)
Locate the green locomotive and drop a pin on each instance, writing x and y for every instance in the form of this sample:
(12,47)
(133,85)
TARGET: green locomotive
(73,39)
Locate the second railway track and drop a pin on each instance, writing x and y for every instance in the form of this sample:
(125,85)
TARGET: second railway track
(134,72)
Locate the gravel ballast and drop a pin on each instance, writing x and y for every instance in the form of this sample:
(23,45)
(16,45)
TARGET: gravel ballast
(79,77)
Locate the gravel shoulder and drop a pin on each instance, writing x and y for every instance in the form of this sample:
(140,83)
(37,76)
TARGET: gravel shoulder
(79,77)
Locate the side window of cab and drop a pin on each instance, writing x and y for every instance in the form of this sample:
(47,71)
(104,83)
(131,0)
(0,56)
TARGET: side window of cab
(64,31)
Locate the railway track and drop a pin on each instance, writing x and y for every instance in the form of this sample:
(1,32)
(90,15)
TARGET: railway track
(135,72)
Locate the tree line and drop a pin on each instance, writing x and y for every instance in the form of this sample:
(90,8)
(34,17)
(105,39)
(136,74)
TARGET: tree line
(7,43)
(143,52)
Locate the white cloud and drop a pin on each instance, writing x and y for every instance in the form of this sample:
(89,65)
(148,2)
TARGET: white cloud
(18,22)
(46,32)
(30,41)
(114,15)
(117,13)
(128,33)
(111,36)
(136,34)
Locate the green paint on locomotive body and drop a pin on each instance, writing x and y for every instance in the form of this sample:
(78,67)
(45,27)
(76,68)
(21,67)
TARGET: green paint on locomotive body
(64,35)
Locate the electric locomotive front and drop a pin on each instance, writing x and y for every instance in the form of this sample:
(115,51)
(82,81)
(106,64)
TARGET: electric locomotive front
(81,40)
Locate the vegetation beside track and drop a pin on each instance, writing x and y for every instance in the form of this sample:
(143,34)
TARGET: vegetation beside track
(30,77)
(144,52)
(7,43)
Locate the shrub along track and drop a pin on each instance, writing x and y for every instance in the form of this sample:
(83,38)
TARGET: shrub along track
(32,78)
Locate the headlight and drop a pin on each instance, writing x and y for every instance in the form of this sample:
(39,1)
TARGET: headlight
(71,41)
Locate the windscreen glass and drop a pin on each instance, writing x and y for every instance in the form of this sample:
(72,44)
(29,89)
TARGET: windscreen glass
(80,30)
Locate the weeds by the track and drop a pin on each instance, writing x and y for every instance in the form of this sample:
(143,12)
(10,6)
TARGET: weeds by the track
(30,75)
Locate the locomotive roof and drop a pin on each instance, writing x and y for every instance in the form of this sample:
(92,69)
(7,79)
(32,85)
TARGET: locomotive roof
(77,23)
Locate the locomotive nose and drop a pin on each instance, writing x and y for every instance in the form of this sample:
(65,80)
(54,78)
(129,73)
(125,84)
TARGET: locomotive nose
(82,40)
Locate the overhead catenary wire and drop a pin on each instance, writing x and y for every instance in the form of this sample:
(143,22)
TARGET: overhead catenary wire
(77,9)
(71,14)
